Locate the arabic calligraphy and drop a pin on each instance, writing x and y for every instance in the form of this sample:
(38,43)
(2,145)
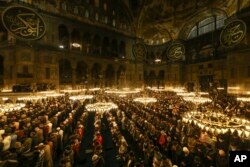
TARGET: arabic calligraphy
(176,51)
(233,33)
(23,23)
(139,50)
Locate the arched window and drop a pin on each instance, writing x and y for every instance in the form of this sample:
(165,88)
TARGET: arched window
(207,25)
(64,6)
(193,33)
(122,49)
(63,36)
(106,20)
(96,17)
(105,7)
(87,14)
(220,21)
(75,10)
(113,22)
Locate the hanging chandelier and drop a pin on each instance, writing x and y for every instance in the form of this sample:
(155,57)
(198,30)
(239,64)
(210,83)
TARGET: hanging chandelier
(145,100)
(101,107)
(218,123)
(81,97)
(197,100)
(244,99)
(11,107)
(186,94)
(31,98)
(122,91)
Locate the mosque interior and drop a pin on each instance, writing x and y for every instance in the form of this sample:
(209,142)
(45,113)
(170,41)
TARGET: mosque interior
(186,60)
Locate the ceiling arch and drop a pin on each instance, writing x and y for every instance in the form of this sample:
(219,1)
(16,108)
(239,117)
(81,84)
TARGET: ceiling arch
(197,17)
(159,21)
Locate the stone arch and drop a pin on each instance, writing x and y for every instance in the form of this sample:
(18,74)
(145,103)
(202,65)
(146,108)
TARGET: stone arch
(192,20)
(65,72)
(161,78)
(152,78)
(114,48)
(63,36)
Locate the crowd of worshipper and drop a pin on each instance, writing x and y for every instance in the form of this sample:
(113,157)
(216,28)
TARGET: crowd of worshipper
(39,133)
(167,141)
(52,130)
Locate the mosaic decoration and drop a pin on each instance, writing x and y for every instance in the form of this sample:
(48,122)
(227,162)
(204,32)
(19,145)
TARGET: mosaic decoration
(139,51)
(23,23)
(176,51)
(233,33)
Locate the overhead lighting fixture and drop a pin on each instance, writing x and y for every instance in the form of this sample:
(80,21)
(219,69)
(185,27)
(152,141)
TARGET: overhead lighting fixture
(217,123)
(145,100)
(157,60)
(233,87)
(101,106)
(61,46)
(76,45)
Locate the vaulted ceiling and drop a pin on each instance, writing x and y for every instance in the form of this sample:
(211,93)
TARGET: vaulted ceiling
(158,21)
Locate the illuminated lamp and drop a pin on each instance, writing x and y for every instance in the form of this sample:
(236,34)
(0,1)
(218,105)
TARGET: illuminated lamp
(76,45)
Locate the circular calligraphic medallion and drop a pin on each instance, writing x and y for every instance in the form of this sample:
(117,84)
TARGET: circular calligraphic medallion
(233,33)
(23,23)
(176,51)
(139,51)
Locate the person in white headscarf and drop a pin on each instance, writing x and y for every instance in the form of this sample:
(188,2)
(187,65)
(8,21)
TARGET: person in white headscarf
(6,142)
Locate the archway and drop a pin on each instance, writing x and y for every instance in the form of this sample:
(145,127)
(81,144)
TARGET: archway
(63,36)
(152,78)
(122,49)
(109,76)
(65,72)
(161,77)
(81,73)
(114,48)
(96,75)
(121,73)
